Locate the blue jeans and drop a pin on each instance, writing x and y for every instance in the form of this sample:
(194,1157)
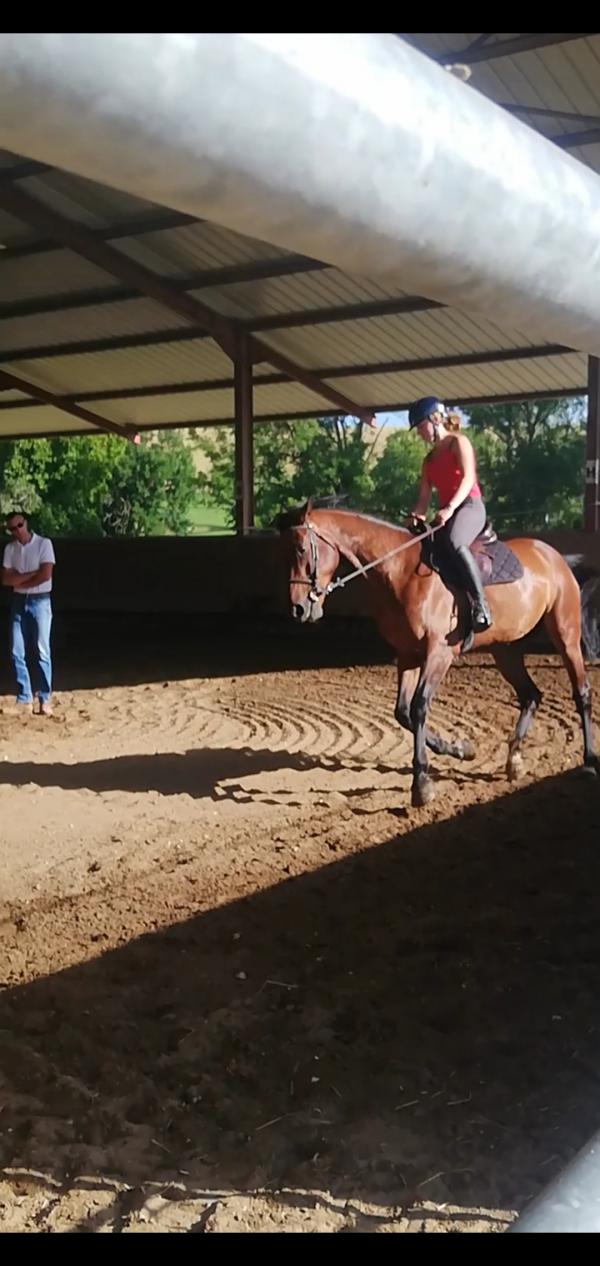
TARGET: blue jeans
(30,624)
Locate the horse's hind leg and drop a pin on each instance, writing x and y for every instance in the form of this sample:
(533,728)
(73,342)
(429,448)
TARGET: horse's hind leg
(460,749)
(509,661)
(563,623)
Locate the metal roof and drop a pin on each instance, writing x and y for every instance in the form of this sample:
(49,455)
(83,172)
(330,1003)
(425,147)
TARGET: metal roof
(95,340)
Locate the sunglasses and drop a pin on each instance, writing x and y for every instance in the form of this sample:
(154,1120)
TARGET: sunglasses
(14,527)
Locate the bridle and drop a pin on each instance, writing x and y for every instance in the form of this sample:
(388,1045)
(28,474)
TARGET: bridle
(316,590)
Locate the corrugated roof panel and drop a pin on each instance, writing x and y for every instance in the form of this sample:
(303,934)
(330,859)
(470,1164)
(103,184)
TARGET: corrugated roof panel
(7,159)
(7,396)
(42,420)
(560,77)
(379,391)
(418,335)
(553,373)
(143,366)
(83,200)
(590,154)
(306,291)
(154,411)
(49,273)
(176,252)
(12,230)
(111,320)
(288,396)
(572,68)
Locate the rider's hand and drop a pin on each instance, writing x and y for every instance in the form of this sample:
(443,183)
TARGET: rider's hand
(443,516)
(415,522)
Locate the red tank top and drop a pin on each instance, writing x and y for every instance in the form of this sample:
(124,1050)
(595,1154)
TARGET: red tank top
(444,474)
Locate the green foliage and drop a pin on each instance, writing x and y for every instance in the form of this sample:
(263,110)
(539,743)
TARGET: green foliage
(292,461)
(100,486)
(396,475)
(530,459)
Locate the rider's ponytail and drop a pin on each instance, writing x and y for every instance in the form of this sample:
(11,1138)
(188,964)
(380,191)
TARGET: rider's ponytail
(452,422)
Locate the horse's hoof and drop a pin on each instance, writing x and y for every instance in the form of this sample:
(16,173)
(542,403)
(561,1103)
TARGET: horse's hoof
(515,768)
(467,750)
(423,793)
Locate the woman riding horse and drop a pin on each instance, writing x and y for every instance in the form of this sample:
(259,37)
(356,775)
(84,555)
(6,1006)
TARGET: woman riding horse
(451,469)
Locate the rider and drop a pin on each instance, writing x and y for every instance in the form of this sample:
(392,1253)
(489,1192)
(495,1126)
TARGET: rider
(451,469)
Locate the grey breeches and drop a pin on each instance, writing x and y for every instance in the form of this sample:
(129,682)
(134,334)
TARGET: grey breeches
(465,525)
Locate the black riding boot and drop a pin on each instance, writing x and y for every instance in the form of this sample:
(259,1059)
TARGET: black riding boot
(471,578)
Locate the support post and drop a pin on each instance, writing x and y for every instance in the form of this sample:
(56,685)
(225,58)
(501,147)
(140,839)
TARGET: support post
(591,519)
(244,473)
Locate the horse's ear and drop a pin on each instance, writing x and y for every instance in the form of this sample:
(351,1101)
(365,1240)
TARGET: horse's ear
(282,521)
(293,517)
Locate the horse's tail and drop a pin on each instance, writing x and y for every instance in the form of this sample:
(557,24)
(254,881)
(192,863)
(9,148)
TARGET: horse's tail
(588,580)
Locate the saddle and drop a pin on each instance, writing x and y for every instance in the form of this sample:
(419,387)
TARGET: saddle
(496,561)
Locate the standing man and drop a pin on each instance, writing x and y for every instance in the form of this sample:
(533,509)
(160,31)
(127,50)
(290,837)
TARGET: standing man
(27,569)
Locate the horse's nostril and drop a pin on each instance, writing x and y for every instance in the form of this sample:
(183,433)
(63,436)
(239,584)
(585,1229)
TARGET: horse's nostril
(298,610)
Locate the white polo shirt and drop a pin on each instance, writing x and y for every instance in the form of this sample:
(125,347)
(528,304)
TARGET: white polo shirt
(28,558)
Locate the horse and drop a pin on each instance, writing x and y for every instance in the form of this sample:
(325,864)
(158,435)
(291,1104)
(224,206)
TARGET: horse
(418,616)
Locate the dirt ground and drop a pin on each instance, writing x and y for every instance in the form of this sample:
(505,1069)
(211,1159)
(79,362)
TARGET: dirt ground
(245,987)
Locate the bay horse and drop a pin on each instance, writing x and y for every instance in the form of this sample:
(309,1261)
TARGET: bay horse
(417,616)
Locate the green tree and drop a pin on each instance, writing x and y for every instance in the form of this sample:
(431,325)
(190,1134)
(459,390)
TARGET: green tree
(100,485)
(23,474)
(396,475)
(520,425)
(152,487)
(531,458)
(292,461)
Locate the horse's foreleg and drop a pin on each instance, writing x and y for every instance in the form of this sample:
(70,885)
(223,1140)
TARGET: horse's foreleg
(460,749)
(432,674)
(509,661)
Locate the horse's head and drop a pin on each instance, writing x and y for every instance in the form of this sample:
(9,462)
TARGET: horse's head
(311,560)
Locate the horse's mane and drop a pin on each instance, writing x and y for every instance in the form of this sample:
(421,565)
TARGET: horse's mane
(369,518)
(330,505)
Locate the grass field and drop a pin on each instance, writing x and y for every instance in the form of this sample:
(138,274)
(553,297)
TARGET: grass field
(210,521)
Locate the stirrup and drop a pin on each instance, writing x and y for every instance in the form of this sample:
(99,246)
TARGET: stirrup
(472,632)
(482,620)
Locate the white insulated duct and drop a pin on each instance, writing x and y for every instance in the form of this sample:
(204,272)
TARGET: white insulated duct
(354,149)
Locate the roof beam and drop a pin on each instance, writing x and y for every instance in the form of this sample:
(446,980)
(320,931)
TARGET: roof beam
(573,140)
(569,116)
(131,226)
(501,355)
(478,42)
(10,382)
(507,48)
(204,279)
(562,393)
(20,170)
(464,402)
(76,238)
(289,320)
(345,312)
(154,338)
